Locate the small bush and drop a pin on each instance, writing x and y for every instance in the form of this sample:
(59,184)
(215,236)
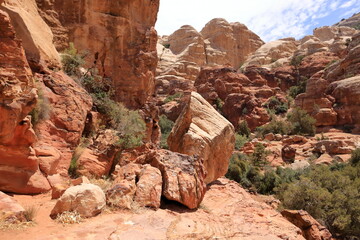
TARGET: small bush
(302,123)
(299,88)
(72,60)
(240,141)
(219,104)
(275,126)
(175,97)
(258,157)
(296,61)
(166,126)
(244,129)
(30,213)
(276,105)
(355,157)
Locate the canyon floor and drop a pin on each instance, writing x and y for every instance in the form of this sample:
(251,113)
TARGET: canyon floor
(227,212)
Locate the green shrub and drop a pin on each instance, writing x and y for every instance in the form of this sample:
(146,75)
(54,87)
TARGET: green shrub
(258,157)
(296,60)
(276,105)
(72,60)
(244,129)
(174,97)
(330,194)
(219,104)
(240,141)
(299,88)
(355,157)
(302,123)
(166,126)
(275,126)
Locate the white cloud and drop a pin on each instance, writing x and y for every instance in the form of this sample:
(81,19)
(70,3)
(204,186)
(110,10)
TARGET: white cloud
(270,19)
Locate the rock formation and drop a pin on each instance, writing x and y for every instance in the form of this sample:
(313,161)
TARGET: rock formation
(312,230)
(183,53)
(119,38)
(200,130)
(86,199)
(353,21)
(19,167)
(11,210)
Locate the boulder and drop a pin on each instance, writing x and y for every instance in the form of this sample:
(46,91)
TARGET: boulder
(312,229)
(10,210)
(35,34)
(201,130)
(333,147)
(149,187)
(137,183)
(182,176)
(87,199)
(58,185)
(288,153)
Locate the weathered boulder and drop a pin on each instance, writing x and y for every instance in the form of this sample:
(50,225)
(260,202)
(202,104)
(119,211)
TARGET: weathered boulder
(182,176)
(333,147)
(200,130)
(312,229)
(149,187)
(119,37)
(87,199)
(10,210)
(288,153)
(36,36)
(135,183)
(58,185)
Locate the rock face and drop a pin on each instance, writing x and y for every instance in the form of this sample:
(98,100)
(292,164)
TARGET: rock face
(10,210)
(352,21)
(35,34)
(135,183)
(183,177)
(119,36)
(183,53)
(201,130)
(312,230)
(60,133)
(86,199)
(19,168)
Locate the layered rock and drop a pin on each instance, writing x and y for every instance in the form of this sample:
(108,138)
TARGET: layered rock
(68,105)
(19,168)
(353,21)
(312,229)
(183,53)
(119,37)
(200,130)
(86,199)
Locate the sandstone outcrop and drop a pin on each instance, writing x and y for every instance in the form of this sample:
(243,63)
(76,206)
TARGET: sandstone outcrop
(353,21)
(135,183)
(10,210)
(36,36)
(67,107)
(312,230)
(183,176)
(19,168)
(87,199)
(119,37)
(183,53)
(200,130)
(272,52)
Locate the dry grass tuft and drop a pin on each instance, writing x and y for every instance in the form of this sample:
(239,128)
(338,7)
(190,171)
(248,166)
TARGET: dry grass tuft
(69,217)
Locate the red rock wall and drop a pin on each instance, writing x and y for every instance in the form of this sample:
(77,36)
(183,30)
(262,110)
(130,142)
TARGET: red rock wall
(119,36)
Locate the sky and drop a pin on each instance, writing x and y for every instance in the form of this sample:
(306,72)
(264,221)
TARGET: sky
(270,19)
